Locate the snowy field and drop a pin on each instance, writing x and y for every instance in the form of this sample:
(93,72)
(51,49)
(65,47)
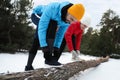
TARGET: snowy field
(106,71)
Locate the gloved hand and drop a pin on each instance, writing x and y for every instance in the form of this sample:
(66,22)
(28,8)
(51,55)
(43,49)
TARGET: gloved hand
(47,54)
(45,49)
(78,52)
(75,55)
(57,53)
(56,49)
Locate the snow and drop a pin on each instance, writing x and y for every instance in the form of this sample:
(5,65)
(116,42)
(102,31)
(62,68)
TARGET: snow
(106,71)
(110,70)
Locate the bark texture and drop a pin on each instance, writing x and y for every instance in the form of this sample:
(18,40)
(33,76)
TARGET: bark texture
(54,73)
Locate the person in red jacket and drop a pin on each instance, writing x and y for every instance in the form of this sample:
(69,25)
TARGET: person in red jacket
(73,36)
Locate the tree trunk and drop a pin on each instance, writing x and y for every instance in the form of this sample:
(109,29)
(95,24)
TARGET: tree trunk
(54,73)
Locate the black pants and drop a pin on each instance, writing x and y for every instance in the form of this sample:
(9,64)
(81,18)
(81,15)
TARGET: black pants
(62,47)
(51,31)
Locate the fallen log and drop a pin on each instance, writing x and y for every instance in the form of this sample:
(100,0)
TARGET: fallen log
(54,73)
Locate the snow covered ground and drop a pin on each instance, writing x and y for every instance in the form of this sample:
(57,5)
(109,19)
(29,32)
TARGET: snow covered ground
(106,71)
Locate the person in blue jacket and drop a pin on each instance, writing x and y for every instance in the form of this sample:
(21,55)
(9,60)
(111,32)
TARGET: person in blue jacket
(52,20)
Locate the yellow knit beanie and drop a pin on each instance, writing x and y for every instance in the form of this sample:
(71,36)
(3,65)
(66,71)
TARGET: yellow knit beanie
(77,10)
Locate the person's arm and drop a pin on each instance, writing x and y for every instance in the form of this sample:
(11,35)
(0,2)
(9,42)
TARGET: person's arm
(38,10)
(78,40)
(43,25)
(78,36)
(68,37)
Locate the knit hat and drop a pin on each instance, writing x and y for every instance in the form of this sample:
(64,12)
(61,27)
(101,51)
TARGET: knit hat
(77,10)
(86,20)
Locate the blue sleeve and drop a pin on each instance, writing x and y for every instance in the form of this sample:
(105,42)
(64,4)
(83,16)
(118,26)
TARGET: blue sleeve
(39,9)
(43,25)
(51,12)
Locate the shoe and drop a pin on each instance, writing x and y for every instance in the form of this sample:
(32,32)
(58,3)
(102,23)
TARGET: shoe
(27,68)
(53,63)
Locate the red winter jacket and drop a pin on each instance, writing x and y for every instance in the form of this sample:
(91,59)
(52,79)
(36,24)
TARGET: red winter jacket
(74,29)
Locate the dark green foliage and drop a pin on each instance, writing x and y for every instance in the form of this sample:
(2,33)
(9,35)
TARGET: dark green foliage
(15,32)
(105,41)
(110,33)
(85,41)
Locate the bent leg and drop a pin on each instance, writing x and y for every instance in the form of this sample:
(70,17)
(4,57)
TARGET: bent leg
(32,54)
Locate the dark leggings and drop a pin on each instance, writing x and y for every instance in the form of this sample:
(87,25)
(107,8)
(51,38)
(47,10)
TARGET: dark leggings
(50,36)
(62,47)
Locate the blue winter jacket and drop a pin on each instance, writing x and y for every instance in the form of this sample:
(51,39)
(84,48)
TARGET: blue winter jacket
(51,11)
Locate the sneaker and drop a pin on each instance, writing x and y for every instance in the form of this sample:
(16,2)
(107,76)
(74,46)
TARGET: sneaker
(53,63)
(27,68)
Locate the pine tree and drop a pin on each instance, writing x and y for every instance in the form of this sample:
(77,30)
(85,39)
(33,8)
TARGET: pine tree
(14,25)
(109,33)
(105,41)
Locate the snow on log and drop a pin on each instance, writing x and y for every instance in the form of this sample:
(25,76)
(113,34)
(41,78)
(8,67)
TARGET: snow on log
(54,73)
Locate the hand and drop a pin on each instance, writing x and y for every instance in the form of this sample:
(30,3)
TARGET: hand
(56,50)
(78,52)
(45,49)
(75,55)
(47,54)
(56,53)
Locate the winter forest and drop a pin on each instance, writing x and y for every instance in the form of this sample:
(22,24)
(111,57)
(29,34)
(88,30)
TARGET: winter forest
(16,32)
(16,36)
